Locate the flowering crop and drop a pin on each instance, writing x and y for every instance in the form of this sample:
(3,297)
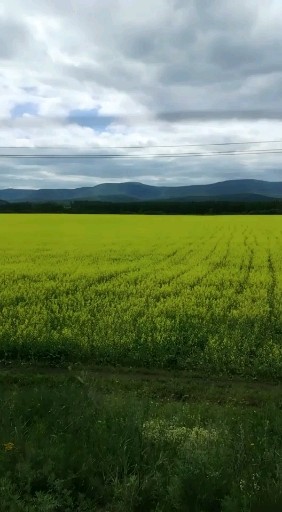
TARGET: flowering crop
(157,291)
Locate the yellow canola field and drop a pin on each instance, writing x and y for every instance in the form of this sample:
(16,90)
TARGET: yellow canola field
(187,292)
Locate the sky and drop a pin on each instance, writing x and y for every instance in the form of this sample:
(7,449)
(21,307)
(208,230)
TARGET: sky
(84,77)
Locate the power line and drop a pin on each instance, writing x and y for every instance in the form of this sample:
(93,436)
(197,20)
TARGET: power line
(144,156)
(147,146)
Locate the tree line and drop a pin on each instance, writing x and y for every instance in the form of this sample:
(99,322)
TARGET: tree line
(209,207)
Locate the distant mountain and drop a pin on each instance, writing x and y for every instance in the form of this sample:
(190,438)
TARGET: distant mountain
(227,197)
(231,190)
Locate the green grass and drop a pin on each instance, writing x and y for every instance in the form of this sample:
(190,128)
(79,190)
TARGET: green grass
(196,293)
(84,444)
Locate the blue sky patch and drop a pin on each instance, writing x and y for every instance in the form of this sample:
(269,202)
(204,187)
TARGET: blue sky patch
(24,108)
(91,119)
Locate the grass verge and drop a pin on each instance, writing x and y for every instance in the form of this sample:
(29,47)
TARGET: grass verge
(106,441)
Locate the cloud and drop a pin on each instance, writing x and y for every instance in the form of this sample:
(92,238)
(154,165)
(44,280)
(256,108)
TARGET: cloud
(81,74)
(13,38)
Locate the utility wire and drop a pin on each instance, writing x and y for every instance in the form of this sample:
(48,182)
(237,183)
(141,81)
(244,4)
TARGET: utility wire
(144,156)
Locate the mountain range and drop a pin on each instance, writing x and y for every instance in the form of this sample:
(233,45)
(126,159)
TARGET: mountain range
(230,190)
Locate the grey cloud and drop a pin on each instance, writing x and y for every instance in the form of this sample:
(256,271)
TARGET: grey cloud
(245,56)
(216,115)
(14,38)
(199,44)
(140,45)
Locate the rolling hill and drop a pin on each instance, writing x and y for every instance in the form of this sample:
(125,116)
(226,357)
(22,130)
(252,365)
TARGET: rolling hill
(231,190)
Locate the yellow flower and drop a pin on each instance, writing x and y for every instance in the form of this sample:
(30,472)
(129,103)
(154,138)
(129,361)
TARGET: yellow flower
(8,447)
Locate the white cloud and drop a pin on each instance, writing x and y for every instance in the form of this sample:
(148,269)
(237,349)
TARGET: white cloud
(137,60)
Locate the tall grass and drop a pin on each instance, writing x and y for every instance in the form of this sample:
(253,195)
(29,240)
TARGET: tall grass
(67,447)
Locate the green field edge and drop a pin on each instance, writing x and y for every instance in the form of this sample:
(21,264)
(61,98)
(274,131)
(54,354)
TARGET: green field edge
(161,385)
